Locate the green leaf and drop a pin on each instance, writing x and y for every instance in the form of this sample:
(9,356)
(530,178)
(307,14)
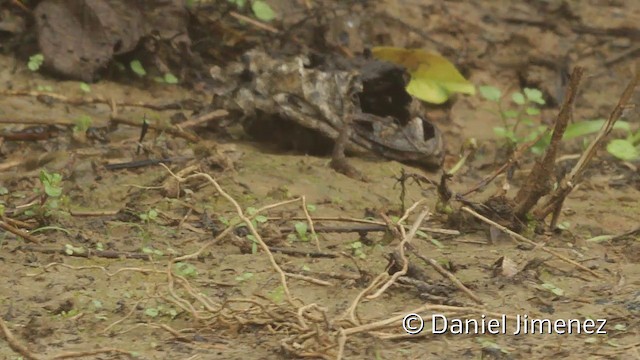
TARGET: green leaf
(97,304)
(239,3)
(261,219)
(244,276)
(152,312)
(600,238)
(169,78)
(510,114)
(532,111)
(301,229)
(251,211)
(85,87)
(277,295)
(587,127)
(554,289)
(3,190)
(433,77)
(623,149)
(83,123)
(35,61)
(534,95)
(528,122)
(500,131)
(44,88)
(518,98)
(490,93)
(137,68)
(185,269)
(311,208)
(51,183)
(262,10)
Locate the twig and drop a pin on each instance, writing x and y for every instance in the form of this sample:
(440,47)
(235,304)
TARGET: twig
(204,118)
(14,344)
(512,160)
(308,279)
(18,232)
(540,181)
(383,225)
(88,253)
(298,252)
(393,321)
(158,127)
(254,22)
(442,271)
(530,242)
(401,249)
(95,100)
(247,221)
(572,178)
(84,354)
(350,312)
(311,227)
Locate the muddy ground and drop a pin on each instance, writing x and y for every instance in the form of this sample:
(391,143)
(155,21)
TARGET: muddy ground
(227,300)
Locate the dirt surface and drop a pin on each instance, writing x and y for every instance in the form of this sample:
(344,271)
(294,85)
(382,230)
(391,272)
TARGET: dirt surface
(225,298)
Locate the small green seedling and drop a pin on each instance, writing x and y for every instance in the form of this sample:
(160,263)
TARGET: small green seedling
(553,289)
(244,276)
(301,230)
(149,216)
(523,110)
(51,193)
(627,149)
(35,62)
(357,249)
(137,68)
(85,87)
(82,124)
(152,251)
(261,9)
(44,88)
(254,243)
(185,269)
(160,310)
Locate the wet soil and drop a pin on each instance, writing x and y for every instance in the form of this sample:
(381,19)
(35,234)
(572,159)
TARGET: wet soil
(229,303)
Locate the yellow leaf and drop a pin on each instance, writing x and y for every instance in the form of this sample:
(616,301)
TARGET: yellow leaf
(433,77)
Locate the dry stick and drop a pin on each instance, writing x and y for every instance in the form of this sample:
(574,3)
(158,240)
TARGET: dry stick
(309,279)
(530,242)
(350,313)
(539,182)
(394,320)
(18,232)
(36,121)
(182,303)
(169,129)
(401,249)
(522,149)
(365,221)
(88,253)
(313,230)
(449,276)
(84,354)
(254,22)
(104,270)
(14,344)
(570,180)
(204,118)
(133,309)
(247,221)
(92,100)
